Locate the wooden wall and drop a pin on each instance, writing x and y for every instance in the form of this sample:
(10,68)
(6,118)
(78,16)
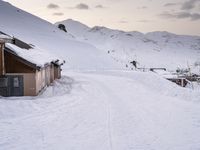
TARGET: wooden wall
(29,81)
(14,65)
(29,84)
(52,78)
(57,72)
(2,65)
(43,78)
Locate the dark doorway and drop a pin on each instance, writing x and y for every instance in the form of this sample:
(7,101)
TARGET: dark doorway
(12,85)
(16,86)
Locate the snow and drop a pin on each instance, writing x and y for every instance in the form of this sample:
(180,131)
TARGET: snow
(34,55)
(166,74)
(103,110)
(2,36)
(48,37)
(97,105)
(154,49)
(74,27)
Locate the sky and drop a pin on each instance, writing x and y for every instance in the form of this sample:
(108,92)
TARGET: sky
(176,16)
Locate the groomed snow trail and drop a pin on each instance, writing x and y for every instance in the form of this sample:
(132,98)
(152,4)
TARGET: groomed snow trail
(103,111)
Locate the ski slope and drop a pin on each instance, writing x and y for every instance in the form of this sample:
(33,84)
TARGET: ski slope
(103,111)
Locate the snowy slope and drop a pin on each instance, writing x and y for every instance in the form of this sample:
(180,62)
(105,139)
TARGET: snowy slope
(75,27)
(103,111)
(33,30)
(155,49)
(95,110)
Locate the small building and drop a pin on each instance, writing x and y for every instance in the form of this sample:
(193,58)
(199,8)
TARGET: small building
(25,70)
(182,81)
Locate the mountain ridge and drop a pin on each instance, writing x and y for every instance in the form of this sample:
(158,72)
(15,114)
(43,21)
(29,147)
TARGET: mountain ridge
(34,30)
(153,49)
(131,31)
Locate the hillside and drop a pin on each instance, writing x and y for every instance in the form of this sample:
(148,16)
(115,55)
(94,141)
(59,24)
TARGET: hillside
(155,49)
(45,35)
(96,105)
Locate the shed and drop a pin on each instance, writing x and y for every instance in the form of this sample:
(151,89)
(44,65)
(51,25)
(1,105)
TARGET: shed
(171,77)
(25,70)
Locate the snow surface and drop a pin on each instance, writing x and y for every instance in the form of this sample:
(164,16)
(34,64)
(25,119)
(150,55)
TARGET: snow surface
(34,55)
(103,110)
(155,49)
(46,36)
(95,107)
(166,74)
(2,36)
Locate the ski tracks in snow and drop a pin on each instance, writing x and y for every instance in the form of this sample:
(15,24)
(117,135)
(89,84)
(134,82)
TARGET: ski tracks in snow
(100,112)
(138,118)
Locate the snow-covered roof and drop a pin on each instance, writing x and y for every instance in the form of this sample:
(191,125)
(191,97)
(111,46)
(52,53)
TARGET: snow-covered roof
(37,56)
(4,37)
(165,74)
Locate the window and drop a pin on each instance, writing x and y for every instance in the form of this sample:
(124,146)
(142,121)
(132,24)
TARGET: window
(16,82)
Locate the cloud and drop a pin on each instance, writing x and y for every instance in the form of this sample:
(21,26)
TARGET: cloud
(144,21)
(188,5)
(170,4)
(143,7)
(99,6)
(82,6)
(58,14)
(123,21)
(181,15)
(53,6)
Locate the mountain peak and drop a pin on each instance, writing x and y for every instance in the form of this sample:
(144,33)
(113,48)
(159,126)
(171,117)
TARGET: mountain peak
(150,49)
(74,22)
(73,26)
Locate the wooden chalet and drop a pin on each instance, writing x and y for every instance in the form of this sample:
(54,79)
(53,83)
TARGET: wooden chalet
(18,75)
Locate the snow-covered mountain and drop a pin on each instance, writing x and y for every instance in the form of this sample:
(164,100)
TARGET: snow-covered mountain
(33,30)
(100,109)
(154,49)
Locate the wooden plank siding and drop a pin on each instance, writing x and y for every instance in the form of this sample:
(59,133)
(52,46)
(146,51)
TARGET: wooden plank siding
(57,72)
(14,64)
(29,83)
(2,65)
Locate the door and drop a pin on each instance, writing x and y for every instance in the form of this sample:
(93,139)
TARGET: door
(4,91)
(16,86)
